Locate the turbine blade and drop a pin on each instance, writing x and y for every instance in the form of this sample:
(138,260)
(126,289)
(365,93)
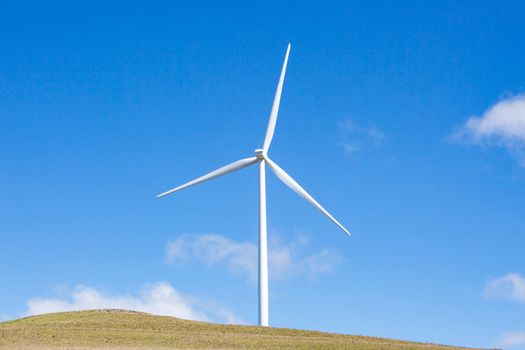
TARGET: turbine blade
(275,107)
(287,179)
(243,163)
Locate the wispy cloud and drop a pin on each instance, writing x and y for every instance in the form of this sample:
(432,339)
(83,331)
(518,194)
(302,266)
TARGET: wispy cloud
(354,138)
(156,298)
(503,124)
(511,339)
(511,286)
(284,260)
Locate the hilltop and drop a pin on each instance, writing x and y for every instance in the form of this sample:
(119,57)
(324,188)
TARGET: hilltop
(120,329)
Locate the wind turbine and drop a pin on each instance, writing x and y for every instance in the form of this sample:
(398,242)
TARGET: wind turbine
(261,157)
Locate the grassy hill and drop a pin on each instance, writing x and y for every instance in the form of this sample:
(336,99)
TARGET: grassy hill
(118,329)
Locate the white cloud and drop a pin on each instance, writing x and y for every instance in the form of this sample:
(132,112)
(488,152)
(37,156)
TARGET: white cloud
(354,137)
(322,262)
(511,286)
(511,339)
(214,249)
(284,260)
(156,298)
(503,124)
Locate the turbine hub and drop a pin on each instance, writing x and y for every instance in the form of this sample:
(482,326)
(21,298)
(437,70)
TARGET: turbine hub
(259,153)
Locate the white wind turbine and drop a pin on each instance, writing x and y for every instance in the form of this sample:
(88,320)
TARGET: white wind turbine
(261,157)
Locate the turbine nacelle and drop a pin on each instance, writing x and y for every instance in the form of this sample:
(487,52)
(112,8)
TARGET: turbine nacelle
(260,154)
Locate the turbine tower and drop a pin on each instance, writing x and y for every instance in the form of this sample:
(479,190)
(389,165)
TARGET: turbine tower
(261,157)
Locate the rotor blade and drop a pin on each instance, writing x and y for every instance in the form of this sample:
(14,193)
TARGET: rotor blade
(275,107)
(243,163)
(287,179)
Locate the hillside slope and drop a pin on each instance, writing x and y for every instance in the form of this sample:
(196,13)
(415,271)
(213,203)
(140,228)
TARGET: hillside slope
(117,329)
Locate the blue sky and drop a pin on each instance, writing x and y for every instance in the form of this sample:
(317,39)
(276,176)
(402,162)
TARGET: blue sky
(407,122)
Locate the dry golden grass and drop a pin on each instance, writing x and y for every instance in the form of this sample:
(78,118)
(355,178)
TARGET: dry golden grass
(118,329)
